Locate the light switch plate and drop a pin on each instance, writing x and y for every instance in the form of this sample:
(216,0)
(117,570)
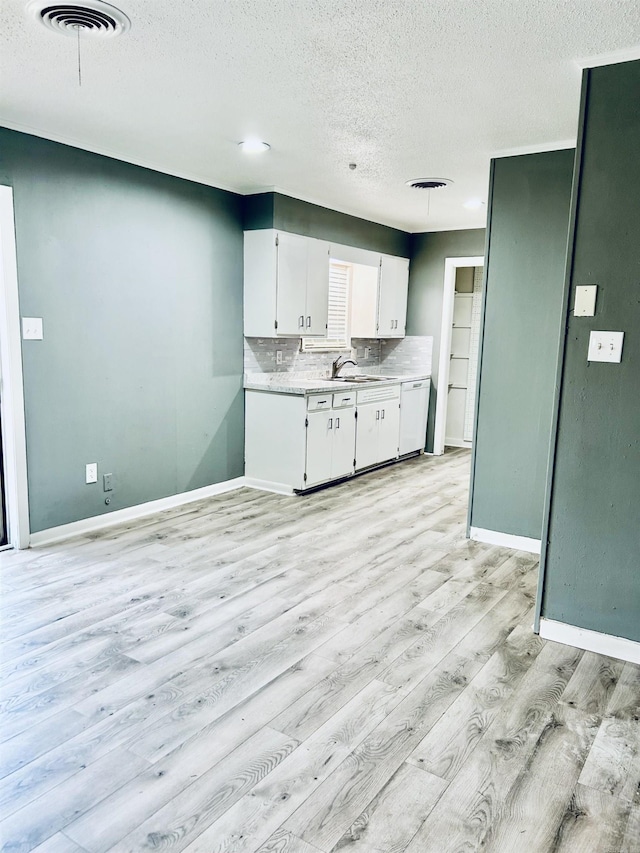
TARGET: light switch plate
(605,346)
(585,301)
(32,328)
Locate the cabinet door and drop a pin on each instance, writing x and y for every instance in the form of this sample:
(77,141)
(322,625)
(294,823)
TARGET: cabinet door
(367,435)
(344,442)
(317,301)
(319,447)
(291,283)
(402,291)
(392,297)
(388,430)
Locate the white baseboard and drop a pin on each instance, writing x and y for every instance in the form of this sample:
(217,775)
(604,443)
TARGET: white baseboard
(120,516)
(507,540)
(591,641)
(457,442)
(268,486)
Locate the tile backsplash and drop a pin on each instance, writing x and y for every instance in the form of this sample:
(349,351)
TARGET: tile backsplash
(403,355)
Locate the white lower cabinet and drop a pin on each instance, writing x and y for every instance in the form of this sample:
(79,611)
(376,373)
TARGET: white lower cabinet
(331,437)
(296,442)
(378,429)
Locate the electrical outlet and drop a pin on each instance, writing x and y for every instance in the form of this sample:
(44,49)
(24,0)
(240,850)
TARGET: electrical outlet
(367,352)
(91,473)
(278,356)
(107,482)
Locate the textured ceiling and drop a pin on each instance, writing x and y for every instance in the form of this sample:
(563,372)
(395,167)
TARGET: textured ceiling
(419,88)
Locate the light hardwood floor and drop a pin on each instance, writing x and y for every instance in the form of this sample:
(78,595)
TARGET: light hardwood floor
(337,672)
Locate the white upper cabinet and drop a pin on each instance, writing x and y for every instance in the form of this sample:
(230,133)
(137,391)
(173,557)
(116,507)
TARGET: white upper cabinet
(286,284)
(392,297)
(286,287)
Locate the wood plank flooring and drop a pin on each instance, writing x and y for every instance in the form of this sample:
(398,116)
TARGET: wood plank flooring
(342,671)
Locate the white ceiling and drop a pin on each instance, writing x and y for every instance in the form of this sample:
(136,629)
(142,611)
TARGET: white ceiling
(403,88)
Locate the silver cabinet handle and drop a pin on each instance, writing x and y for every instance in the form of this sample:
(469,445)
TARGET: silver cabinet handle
(330,423)
(337,423)
(301,321)
(377,416)
(309,321)
(383,414)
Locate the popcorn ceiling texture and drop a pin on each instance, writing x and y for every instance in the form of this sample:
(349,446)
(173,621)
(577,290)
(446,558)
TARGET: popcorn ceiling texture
(404,88)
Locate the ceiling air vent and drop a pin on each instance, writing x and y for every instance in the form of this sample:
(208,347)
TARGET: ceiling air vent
(429,183)
(93,18)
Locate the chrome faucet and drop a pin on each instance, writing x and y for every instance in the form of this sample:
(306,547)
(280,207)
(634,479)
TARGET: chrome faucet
(337,365)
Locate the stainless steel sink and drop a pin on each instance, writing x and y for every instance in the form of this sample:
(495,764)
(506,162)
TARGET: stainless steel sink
(358,378)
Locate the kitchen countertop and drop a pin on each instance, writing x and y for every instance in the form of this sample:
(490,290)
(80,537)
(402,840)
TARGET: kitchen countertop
(281,383)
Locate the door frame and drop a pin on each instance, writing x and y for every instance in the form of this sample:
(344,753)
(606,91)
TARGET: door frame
(448,295)
(12,398)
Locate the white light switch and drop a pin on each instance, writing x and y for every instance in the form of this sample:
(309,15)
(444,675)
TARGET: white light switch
(605,346)
(32,328)
(585,303)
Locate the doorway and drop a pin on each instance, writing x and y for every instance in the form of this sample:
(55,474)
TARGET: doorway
(15,500)
(459,345)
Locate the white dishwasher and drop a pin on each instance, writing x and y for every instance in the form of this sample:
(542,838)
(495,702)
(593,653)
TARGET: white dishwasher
(414,407)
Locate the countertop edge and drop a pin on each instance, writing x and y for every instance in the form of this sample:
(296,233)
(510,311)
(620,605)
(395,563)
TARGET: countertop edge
(301,387)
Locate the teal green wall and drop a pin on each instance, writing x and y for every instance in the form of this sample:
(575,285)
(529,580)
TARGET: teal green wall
(426,285)
(138,278)
(273,210)
(592,563)
(524,279)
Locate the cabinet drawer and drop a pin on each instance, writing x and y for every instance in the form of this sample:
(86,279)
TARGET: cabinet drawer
(319,401)
(341,401)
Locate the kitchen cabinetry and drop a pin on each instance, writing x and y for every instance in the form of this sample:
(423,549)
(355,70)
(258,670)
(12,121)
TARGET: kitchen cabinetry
(392,297)
(378,426)
(331,436)
(286,284)
(296,442)
(379,307)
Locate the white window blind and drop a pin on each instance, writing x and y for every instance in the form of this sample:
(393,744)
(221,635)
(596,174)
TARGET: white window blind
(338,323)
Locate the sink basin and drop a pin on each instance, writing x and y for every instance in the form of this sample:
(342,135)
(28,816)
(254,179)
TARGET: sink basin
(358,378)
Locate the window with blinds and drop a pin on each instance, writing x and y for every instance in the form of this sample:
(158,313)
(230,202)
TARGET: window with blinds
(338,337)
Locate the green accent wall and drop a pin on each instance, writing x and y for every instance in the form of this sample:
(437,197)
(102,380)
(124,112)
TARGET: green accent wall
(592,562)
(138,279)
(426,286)
(522,316)
(273,210)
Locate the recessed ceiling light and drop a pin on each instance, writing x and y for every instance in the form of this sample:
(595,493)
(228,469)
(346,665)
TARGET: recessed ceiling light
(253,146)
(473,204)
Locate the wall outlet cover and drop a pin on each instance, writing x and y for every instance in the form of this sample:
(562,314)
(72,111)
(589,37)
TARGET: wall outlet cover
(107,482)
(585,301)
(605,346)
(32,328)
(91,473)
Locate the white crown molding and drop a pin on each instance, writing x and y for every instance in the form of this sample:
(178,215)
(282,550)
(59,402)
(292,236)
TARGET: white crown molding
(628,54)
(539,148)
(121,516)
(506,540)
(591,641)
